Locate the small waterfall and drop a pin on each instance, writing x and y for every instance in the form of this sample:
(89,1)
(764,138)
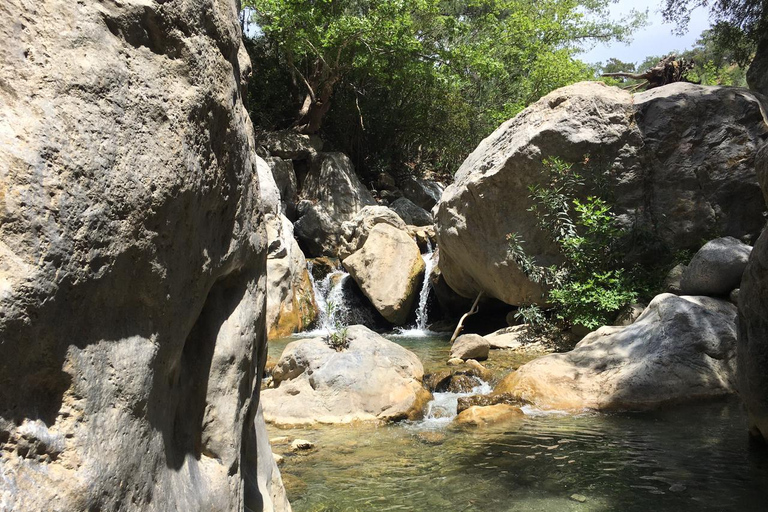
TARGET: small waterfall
(421,313)
(444,406)
(329,296)
(420,329)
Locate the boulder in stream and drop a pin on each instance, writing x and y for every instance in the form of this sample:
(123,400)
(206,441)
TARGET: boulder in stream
(389,269)
(680,349)
(373,379)
(470,346)
(483,416)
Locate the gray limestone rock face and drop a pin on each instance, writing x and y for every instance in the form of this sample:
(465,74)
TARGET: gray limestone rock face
(355,232)
(757,74)
(373,379)
(290,145)
(332,194)
(423,193)
(132,259)
(388,268)
(753,325)
(680,349)
(716,268)
(678,160)
(410,213)
(285,179)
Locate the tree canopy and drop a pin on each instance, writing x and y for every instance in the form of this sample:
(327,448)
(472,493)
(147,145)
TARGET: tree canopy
(410,84)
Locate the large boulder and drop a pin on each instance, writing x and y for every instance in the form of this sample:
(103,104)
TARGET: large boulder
(484,416)
(373,379)
(423,193)
(389,269)
(411,213)
(290,144)
(680,349)
(355,231)
(132,259)
(753,325)
(679,161)
(716,268)
(332,194)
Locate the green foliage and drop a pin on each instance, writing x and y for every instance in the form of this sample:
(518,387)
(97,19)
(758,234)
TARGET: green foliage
(416,84)
(590,286)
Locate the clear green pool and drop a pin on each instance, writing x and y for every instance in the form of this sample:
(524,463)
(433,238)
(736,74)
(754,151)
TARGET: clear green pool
(695,457)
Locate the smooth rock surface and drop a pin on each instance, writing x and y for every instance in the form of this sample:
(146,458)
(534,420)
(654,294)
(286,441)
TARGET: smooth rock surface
(373,379)
(423,193)
(680,349)
(355,231)
(674,279)
(470,346)
(389,269)
(132,260)
(508,338)
(716,268)
(410,213)
(483,416)
(678,159)
(753,325)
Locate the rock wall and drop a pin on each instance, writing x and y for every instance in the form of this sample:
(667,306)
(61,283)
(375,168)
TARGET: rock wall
(132,259)
(753,324)
(677,162)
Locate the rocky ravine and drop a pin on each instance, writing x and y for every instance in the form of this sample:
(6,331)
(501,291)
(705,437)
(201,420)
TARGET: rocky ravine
(678,161)
(132,261)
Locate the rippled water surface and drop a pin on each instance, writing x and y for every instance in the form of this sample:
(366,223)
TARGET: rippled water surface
(696,457)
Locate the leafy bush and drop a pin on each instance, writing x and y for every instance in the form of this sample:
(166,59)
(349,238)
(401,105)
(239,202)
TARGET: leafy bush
(591,285)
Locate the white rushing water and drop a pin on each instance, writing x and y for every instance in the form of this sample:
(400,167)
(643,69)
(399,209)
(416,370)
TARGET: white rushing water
(331,308)
(420,329)
(444,407)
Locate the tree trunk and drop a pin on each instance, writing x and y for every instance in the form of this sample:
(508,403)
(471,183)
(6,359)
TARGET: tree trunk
(313,110)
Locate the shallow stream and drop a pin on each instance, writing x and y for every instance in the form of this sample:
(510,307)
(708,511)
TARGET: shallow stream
(695,457)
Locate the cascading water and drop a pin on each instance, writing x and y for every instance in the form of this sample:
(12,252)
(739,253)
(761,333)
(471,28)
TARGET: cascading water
(421,312)
(329,295)
(444,406)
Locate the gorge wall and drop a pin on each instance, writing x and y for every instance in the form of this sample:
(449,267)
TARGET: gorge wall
(132,259)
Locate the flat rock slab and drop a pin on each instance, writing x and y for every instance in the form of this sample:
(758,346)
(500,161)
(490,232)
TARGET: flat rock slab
(681,348)
(372,380)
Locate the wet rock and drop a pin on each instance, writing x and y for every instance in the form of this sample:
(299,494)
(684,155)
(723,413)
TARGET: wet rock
(322,266)
(299,445)
(431,437)
(470,346)
(317,384)
(578,498)
(717,267)
(465,402)
(278,458)
(691,148)
(389,269)
(680,349)
(410,213)
(455,361)
(477,416)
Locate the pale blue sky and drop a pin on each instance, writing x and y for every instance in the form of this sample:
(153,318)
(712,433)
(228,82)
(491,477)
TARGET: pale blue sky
(654,39)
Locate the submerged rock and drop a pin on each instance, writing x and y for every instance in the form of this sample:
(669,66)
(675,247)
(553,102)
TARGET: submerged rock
(716,268)
(679,160)
(373,379)
(132,261)
(681,348)
(389,269)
